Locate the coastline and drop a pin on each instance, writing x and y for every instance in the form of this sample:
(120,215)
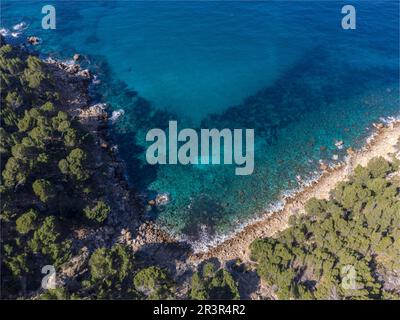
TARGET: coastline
(81,200)
(127,223)
(381,143)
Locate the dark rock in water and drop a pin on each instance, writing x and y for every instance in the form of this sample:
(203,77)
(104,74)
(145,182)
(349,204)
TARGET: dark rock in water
(84,73)
(162,199)
(76,56)
(339,144)
(33,40)
(72,69)
(131,94)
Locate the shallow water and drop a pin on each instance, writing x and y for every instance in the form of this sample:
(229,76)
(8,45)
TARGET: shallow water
(286,69)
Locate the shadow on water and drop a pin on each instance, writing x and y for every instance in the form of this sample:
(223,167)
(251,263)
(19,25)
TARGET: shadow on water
(314,82)
(139,117)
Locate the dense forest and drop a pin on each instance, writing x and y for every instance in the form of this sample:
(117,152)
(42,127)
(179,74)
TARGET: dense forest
(46,186)
(49,189)
(344,248)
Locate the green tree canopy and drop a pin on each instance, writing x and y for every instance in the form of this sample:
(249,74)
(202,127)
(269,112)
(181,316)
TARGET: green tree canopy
(211,283)
(43,189)
(153,283)
(98,213)
(26,222)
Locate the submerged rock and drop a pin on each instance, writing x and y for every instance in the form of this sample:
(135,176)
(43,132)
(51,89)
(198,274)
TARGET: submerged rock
(76,56)
(33,40)
(162,199)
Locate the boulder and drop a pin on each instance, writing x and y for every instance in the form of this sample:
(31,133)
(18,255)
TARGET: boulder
(94,111)
(76,265)
(378,125)
(162,199)
(84,73)
(323,166)
(33,40)
(350,151)
(339,144)
(77,57)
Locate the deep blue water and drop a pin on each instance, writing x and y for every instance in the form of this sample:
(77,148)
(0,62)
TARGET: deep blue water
(286,69)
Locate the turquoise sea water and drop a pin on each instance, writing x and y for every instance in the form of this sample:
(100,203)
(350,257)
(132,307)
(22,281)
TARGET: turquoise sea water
(286,69)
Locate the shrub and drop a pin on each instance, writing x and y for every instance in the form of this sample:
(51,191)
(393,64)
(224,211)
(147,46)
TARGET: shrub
(70,137)
(14,99)
(43,189)
(101,265)
(26,123)
(110,268)
(48,241)
(153,283)
(211,283)
(379,167)
(26,222)
(33,74)
(14,173)
(98,213)
(47,107)
(74,165)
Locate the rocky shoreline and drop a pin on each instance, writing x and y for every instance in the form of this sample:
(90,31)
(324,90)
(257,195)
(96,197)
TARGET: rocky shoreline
(127,223)
(381,143)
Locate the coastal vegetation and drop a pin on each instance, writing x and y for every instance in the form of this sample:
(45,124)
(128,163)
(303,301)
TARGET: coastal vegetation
(113,274)
(49,191)
(347,247)
(46,174)
(45,169)
(213,283)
